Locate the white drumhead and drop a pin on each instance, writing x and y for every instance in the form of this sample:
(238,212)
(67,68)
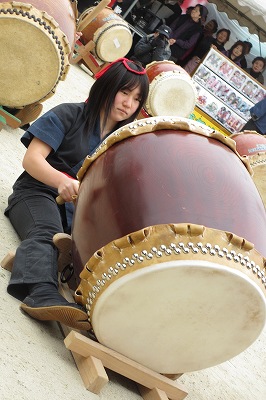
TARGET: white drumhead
(30,62)
(112,42)
(180,316)
(171,93)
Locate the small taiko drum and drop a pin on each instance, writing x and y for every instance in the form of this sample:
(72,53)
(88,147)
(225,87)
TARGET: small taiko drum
(172,91)
(169,236)
(109,32)
(253,145)
(35,41)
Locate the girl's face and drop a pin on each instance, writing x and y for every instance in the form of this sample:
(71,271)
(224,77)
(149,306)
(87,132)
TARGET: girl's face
(237,51)
(258,66)
(195,14)
(222,37)
(125,104)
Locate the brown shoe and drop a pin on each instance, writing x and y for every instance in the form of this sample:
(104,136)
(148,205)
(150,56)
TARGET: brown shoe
(63,242)
(29,113)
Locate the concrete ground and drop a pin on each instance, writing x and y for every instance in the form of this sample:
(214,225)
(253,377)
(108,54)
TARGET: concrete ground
(35,365)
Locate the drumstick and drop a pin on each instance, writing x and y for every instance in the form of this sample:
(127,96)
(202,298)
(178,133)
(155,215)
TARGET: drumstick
(61,201)
(89,17)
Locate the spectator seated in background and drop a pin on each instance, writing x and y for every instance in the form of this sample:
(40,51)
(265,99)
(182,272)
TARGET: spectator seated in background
(222,37)
(257,68)
(186,30)
(153,47)
(236,52)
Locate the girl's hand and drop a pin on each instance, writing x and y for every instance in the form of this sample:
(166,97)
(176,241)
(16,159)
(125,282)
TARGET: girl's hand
(68,188)
(172,41)
(78,35)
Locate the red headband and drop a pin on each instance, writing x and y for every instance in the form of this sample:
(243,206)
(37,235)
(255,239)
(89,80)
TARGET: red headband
(125,62)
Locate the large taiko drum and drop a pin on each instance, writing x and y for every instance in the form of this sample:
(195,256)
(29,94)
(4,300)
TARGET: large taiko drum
(253,145)
(172,91)
(109,32)
(165,229)
(35,41)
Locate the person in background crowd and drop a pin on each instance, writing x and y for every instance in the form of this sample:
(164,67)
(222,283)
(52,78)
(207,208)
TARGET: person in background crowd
(257,68)
(243,61)
(202,46)
(257,121)
(222,37)
(236,52)
(57,144)
(186,31)
(154,47)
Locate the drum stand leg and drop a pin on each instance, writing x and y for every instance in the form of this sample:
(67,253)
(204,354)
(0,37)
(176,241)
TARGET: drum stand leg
(92,358)
(83,54)
(8,119)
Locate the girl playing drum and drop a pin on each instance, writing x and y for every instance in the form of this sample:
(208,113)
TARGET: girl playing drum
(57,144)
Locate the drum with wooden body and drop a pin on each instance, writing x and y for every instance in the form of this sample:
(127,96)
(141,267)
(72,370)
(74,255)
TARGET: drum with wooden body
(109,32)
(253,145)
(35,40)
(172,91)
(169,237)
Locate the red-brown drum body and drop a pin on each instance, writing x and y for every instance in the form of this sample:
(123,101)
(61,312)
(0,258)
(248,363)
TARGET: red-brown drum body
(36,40)
(168,235)
(249,142)
(172,91)
(253,146)
(109,32)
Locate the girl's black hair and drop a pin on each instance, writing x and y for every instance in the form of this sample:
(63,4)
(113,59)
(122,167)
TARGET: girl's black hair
(105,88)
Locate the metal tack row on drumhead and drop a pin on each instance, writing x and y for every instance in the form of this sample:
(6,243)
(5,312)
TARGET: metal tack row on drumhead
(177,249)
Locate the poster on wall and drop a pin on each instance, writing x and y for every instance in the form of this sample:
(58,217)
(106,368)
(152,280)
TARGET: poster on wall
(225,92)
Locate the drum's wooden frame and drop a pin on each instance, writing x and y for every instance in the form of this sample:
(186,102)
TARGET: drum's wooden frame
(8,119)
(83,54)
(92,358)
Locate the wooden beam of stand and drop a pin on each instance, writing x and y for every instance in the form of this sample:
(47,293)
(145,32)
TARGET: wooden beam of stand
(82,51)
(124,366)
(89,17)
(10,119)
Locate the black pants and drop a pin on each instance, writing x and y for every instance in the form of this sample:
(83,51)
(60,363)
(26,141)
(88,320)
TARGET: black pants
(36,219)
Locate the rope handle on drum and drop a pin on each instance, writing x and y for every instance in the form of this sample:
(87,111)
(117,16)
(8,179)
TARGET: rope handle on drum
(59,199)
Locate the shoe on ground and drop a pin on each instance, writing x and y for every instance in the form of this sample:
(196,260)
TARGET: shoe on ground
(49,305)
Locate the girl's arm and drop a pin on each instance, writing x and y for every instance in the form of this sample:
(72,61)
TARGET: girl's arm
(35,164)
